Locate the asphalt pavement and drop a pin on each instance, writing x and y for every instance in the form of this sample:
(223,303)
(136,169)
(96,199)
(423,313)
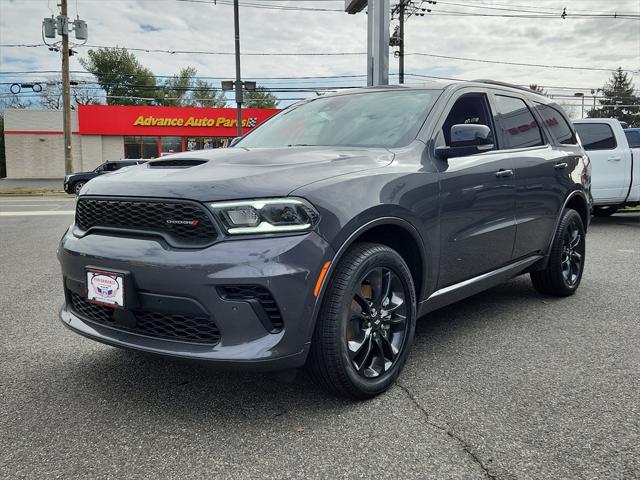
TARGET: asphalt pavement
(507,384)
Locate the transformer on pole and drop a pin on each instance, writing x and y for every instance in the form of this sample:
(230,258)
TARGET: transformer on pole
(377,38)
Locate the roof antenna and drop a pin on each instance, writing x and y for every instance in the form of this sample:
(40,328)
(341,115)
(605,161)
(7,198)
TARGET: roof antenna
(564,13)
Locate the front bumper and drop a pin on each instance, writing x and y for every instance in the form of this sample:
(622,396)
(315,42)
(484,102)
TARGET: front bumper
(163,278)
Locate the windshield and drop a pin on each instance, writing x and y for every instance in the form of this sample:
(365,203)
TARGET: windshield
(368,119)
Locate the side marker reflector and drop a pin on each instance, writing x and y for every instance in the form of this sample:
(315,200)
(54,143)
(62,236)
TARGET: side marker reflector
(323,273)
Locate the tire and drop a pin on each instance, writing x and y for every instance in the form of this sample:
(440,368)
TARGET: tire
(77,187)
(563,273)
(362,338)
(604,211)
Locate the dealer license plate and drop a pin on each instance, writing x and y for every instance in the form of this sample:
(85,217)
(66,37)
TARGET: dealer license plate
(105,288)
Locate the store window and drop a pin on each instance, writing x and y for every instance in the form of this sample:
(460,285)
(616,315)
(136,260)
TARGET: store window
(204,143)
(140,147)
(170,144)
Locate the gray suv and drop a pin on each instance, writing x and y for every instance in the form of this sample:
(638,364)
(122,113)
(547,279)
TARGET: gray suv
(321,236)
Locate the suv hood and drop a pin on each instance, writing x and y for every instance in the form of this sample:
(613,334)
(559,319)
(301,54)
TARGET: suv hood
(235,173)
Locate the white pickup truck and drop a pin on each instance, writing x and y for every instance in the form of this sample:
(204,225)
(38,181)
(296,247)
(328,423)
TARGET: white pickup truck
(615,167)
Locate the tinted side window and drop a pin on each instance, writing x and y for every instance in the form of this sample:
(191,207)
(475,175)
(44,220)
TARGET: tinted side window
(596,136)
(557,124)
(519,127)
(469,109)
(633,137)
(111,166)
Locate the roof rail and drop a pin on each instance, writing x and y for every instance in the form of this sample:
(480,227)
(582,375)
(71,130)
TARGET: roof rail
(504,84)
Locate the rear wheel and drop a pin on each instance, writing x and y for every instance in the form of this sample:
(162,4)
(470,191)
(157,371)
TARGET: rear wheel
(566,261)
(366,324)
(605,211)
(77,187)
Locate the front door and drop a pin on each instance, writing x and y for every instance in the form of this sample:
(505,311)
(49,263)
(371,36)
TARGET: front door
(477,200)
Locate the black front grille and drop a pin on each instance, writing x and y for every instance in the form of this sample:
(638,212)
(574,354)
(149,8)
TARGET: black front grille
(257,296)
(92,311)
(185,328)
(184,223)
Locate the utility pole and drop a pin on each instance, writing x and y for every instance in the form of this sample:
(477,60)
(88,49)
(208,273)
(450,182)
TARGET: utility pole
(378,43)
(238,85)
(62,26)
(401,46)
(66,89)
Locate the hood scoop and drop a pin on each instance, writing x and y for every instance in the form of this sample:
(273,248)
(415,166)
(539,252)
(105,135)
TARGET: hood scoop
(176,163)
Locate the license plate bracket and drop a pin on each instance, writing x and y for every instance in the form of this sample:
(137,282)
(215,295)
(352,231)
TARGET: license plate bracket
(106,287)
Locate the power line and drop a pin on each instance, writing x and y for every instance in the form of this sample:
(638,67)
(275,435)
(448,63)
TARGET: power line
(318,54)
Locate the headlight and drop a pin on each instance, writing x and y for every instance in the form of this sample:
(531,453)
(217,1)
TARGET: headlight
(272,215)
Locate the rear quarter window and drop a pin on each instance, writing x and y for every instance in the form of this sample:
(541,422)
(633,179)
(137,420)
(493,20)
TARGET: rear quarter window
(557,124)
(596,136)
(633,137)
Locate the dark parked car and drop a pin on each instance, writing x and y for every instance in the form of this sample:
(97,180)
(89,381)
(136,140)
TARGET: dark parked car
(74,182)
(326,232)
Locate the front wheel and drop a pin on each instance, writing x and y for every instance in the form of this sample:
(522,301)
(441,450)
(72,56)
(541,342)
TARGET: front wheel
(566,260)
(366,324)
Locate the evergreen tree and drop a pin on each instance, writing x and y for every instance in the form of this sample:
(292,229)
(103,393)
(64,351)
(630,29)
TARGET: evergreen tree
(620,100)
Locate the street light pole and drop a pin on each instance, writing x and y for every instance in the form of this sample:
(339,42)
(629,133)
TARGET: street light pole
(238,85)
(581,95)
(66,91)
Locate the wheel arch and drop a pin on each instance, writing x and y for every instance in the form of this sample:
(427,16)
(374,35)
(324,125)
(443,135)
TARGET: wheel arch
(395,233)
(578,202)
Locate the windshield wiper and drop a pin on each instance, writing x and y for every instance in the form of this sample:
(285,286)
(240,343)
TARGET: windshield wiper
(301,145)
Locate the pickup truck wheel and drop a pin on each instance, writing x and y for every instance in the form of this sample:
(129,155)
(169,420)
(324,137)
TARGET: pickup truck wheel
(77,187)
(366,323)
(566,261)
(604,211)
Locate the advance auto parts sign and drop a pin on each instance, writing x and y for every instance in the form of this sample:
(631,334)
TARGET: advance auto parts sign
(166,121)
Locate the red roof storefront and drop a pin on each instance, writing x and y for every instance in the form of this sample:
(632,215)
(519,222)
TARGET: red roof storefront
(153,131)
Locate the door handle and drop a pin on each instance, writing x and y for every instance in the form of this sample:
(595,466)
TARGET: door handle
(561,166)
(504,173)
(614,159)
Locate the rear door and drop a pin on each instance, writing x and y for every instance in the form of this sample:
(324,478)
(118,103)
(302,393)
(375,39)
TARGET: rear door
(477,201)
(610,162)
(545,150)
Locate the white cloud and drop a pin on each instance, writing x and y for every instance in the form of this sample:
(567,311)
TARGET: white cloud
(174,25)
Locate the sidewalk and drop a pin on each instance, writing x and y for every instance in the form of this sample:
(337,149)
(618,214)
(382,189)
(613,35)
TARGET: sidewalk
(43,184)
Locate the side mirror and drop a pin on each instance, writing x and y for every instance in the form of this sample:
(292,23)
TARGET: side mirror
(467,139)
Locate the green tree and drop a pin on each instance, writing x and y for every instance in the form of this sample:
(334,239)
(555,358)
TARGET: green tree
(184,90)
(620,100)
(260,98)
(124,79)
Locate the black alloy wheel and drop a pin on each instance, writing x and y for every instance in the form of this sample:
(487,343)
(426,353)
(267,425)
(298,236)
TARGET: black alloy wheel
(563,272)
(572,253)
(377,328)
(366,323)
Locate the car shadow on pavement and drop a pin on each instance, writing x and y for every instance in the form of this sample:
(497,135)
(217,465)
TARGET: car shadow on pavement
(625,219)
(193,390)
